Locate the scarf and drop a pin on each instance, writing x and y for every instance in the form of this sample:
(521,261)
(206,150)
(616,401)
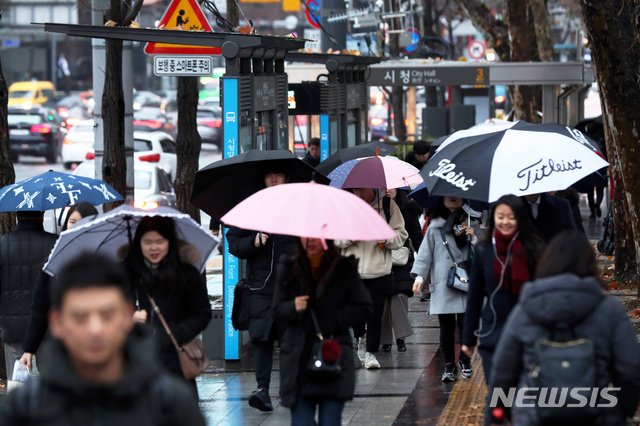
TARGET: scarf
(453,226)
(517,271)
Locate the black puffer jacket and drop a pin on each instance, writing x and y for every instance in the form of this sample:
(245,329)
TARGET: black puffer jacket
(23,252)
(145,396)
(402,279)
(581,303)
(340,301)
(262,263)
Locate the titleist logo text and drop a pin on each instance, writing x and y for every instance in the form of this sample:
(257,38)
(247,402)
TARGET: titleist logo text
(536,172)
(445,171)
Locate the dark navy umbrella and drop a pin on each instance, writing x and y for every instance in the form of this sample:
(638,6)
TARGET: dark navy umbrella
(351,153)
(421,196)
(54,190)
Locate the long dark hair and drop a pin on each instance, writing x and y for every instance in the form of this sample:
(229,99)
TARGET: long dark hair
(167,278)
(303,266)
(83,207)
(530,240)
(570,252)
(440,210)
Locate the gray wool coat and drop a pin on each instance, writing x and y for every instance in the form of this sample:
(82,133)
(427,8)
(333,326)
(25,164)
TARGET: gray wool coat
(433,257)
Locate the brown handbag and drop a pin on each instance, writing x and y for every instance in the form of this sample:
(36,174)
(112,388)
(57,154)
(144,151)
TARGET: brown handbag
(193,359)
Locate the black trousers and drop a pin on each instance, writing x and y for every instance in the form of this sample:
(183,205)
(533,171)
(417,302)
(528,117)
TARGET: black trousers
(263,359)
(447,336)
(599,197)
(379,289)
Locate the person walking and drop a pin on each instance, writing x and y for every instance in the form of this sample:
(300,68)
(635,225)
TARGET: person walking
(550,214)
(502,264)
(161,267)
(568,296)
(318,286)
(22,254)
(374,267)
(262,252)
(312,156)
(41,302)
(395,317)
(102,369)
(449,239)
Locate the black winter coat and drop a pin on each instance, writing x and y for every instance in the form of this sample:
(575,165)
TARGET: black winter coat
(187,311)
(64,399)
(402,280)
(581,303)
(262,263)
(482,283)
(39,319)
(554,216)
(340,301)
(23,252)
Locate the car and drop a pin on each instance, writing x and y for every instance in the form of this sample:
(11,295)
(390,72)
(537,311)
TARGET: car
(156,147)
(143,98)
(35,132)
(210,126)
(378,126)
(72,109)
(77,143)
(30,94)
(152,186)
(151,118)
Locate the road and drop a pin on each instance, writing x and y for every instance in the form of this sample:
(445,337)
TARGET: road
(32,166)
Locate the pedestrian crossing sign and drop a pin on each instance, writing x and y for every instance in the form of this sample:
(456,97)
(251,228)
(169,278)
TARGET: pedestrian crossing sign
(187,15)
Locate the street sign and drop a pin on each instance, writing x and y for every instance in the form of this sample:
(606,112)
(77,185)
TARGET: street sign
(182,65)
(476,49)
(185,13)
(395,75)
(314,7)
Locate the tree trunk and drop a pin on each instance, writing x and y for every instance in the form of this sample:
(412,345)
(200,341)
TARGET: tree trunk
(188,144)
(495,32)
(7,172)
(614,33)
(542,28)
(232,12)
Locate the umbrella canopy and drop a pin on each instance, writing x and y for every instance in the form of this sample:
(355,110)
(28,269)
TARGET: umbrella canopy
(421,196)
(54,190)
(375,172)
(105,233)
(223,184)
(310,210)
(489,126)
(525,159)
(353,152)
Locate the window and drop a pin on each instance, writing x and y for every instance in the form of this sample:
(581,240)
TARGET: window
(140,145)
(15,119)
(164,183)
(48,93)
(168,146)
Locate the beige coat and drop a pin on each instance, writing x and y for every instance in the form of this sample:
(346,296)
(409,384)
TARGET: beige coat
(374,262)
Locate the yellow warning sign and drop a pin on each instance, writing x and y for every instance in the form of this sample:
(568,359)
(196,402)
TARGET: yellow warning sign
(186,15)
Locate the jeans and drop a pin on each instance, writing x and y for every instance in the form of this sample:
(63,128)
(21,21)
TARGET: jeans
(303,412)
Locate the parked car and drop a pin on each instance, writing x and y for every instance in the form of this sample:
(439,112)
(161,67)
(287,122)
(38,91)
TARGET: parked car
(77,143)
(29,94)
(378,126)
(72,110)
(152,186)
(142,98)
(151,119)
(156,147)
(210,126)
(35,132)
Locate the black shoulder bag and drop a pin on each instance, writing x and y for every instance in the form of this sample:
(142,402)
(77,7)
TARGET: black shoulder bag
(324,364)
(458,278)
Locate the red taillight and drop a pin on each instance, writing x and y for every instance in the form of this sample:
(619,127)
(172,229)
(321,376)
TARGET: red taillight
(376,121)
(151,158)
(148,205)
(41,128)
(148,123)
(500,99)
(211,123)
(67,141)
(72,121)
(63,110)
(90,156)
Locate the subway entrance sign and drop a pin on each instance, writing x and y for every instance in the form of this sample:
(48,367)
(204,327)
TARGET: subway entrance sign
(187,15)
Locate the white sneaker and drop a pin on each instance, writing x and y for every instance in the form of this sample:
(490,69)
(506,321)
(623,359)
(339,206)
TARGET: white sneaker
(370,361)
(362,349)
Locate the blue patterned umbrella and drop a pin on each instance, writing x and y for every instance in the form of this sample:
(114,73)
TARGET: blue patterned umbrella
(54,190)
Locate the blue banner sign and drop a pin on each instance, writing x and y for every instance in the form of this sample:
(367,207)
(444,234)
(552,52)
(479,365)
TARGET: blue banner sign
(324,137)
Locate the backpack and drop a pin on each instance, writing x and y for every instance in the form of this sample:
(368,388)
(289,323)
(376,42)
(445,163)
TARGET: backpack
(27,400)
(564,361)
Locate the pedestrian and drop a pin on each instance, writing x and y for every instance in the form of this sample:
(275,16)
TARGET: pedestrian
(41,302)
(449,239)
(567,302)
(502,263)
(395,317)
(262,252)
(161,266)
(102,369)
(374,267)
(419,155)
(22,255)
(550,214)
(318,282)
(572,196)
(312,156)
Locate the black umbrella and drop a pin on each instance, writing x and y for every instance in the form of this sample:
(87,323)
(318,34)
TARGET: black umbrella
(221,185)
(353,152)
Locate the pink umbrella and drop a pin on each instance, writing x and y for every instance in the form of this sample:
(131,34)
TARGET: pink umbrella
(375,172)
(310,210)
